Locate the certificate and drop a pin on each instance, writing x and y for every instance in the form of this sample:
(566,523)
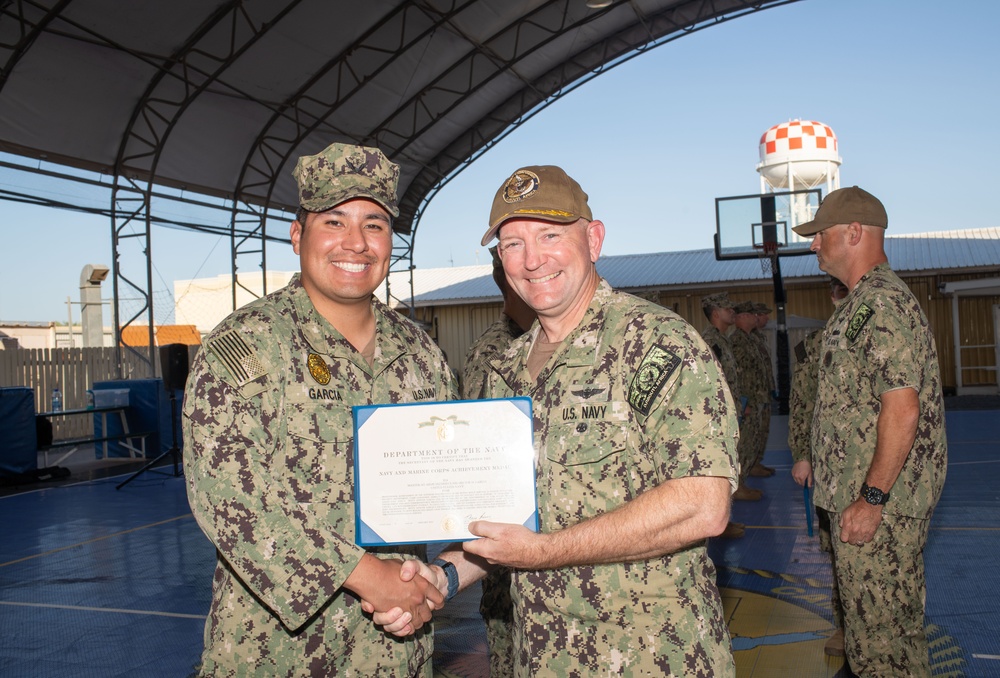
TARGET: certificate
(424,471)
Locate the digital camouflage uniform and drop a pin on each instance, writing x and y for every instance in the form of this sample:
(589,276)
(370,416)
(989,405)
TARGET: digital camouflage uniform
(879,340)
(723,351)
(495,606)
(802,399)
(764,414)
(495,340)
(269,464)
(801,404)
(631,398)
(753,386)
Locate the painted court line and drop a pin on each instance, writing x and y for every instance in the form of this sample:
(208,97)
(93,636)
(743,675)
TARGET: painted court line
(96,539)
(81,608)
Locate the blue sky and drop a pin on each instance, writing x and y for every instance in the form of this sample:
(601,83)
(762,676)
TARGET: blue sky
(909,88)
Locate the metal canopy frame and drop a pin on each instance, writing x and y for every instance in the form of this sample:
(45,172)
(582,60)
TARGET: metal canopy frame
(209,102)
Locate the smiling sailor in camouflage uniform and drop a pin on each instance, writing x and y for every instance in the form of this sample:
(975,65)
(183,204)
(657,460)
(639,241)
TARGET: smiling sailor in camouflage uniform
(878,438)
(268,443)
(635,439)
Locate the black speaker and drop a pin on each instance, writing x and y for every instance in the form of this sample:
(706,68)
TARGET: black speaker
(174,366)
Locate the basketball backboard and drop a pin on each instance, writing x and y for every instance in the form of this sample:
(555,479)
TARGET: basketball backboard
(745,224)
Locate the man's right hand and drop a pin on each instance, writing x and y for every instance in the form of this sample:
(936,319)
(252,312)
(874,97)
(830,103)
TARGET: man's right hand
(385,588)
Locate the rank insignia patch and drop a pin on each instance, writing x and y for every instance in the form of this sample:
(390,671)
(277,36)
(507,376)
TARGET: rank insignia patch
(858,320)
(318,369)
(654,370)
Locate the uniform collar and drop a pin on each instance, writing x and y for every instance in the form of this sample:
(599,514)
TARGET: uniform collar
(578,349)
(325,339)
(878,271)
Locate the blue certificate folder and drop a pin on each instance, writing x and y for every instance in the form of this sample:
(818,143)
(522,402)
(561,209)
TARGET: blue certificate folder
(424,471)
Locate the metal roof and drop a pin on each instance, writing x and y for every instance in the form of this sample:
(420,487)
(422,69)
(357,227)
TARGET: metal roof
(219,97)
(211,101)
(968,249)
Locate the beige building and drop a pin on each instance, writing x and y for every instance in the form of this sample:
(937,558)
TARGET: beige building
(46,335)
(954,274)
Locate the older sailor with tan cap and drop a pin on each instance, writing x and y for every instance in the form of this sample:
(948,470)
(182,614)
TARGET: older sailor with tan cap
(268,443)
(878,440)
(635,446)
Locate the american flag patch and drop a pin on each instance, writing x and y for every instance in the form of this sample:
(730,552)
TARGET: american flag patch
(237,357)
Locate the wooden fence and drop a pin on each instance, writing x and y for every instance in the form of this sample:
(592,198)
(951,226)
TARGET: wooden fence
(74,371)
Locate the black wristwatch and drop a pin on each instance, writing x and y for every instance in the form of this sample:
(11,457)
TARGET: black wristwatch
(451,573)
(873,495)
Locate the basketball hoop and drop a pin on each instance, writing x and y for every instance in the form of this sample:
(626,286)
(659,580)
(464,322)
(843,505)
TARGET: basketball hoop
(767,252)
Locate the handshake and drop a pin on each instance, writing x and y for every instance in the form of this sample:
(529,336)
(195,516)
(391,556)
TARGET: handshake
(408,603)
(401,595)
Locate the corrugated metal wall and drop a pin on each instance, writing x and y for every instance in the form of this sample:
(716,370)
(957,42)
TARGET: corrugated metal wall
(977,335)
(457,327)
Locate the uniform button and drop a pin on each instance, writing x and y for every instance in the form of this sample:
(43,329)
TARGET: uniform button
(580,428)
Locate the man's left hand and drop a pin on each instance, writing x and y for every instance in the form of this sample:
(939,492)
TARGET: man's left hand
(507,544)
(859,522)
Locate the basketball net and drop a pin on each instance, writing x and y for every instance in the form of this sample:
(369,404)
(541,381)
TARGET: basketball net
(767,252)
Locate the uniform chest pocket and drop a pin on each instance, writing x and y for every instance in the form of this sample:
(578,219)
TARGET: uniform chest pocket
(586,441)
(838,350)
(587,470)
(317,467)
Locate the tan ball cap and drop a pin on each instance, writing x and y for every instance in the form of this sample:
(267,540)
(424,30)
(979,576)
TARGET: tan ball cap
(845,206)
(539,191)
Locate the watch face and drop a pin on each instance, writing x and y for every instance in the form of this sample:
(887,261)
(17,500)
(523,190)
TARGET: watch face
(873,495)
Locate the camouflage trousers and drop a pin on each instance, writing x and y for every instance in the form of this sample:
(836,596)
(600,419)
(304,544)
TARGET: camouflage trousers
(761,430)
(673,636)
(743,450)
(826,545)
(883,593)
(753,437)
(498,613)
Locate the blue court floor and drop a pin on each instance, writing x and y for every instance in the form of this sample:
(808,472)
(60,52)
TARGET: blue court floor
(101,582)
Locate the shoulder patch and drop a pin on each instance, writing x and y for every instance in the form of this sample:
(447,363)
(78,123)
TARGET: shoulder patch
(800,351)
(858,320)
(652,373)
(237,357)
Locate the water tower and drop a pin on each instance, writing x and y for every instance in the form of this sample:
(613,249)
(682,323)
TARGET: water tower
(797,155)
